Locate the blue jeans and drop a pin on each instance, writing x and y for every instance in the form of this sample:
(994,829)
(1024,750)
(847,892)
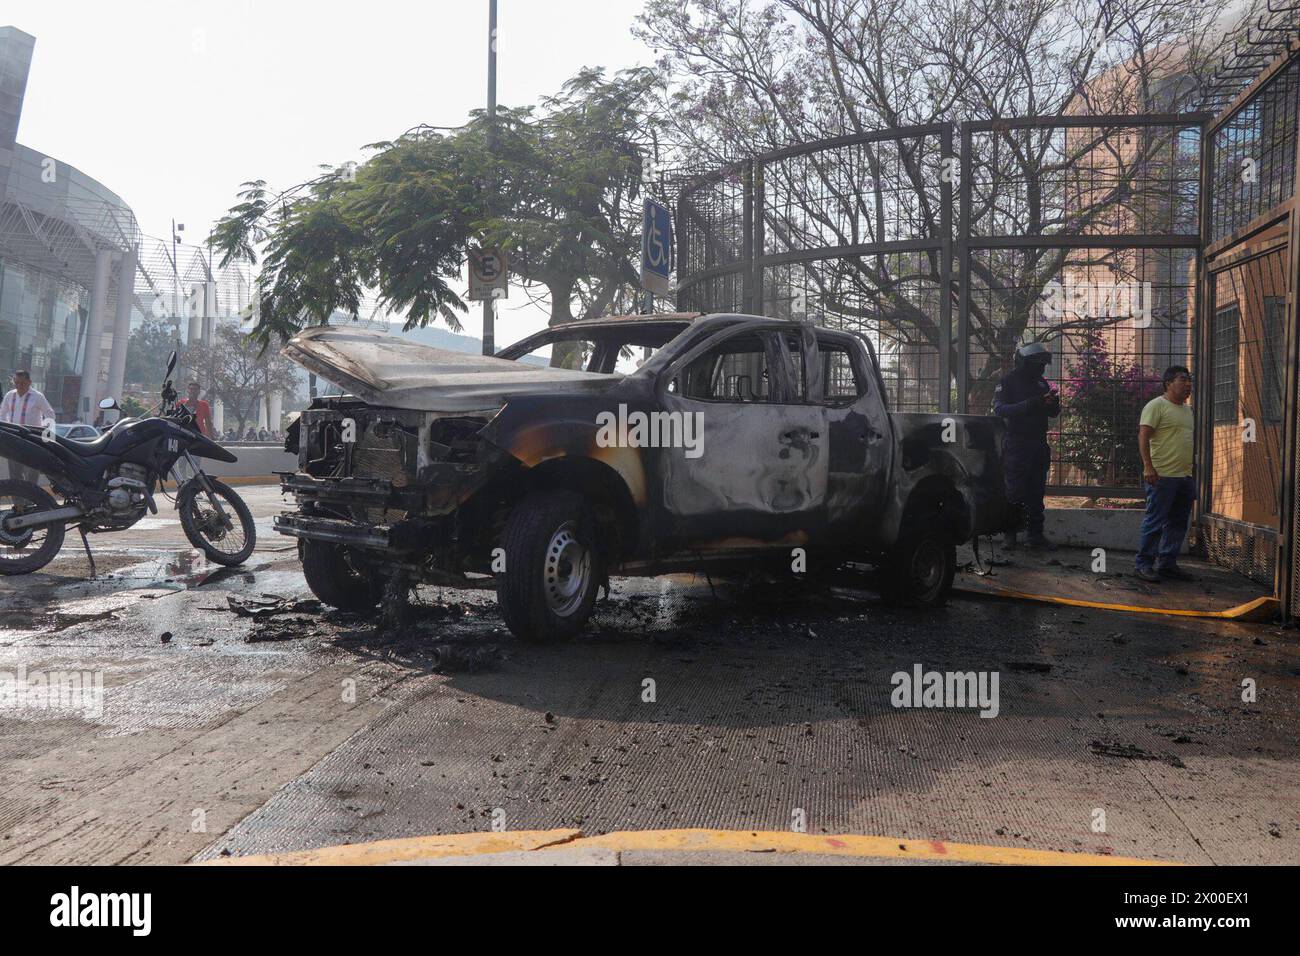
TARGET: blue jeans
(1169,506)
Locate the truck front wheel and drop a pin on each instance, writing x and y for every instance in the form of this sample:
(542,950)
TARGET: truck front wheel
(335,581)
(919,569)
(552,567)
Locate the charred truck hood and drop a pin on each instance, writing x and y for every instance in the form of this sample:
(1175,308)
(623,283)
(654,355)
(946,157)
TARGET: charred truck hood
(418,417)
(390,371)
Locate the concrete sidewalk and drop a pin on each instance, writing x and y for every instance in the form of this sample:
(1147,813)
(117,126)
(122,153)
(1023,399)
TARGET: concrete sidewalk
(676,847)
(768,708)
(1108,578)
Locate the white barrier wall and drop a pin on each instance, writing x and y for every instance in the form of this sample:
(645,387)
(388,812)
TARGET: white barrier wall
(259,460)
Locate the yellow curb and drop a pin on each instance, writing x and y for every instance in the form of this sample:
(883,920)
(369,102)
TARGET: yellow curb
(1260,609)
(758,841)
(682,841)
(410,848)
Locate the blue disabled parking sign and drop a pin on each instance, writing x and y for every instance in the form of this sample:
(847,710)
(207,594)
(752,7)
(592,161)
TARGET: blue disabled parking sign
(656,248)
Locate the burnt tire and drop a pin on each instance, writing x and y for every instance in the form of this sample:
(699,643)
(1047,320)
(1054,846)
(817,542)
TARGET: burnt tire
(552,567)
(202,526)
(14,558)
(919,569)
(333,579)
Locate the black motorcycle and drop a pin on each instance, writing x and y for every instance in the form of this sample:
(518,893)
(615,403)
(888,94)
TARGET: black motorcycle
(109,483)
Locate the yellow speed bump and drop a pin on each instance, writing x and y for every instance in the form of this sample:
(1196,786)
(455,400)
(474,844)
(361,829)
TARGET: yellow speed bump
(680,841)
(1260,609)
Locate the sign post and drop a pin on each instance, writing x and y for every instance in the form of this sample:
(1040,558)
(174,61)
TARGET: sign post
(656,248)
(488,270)
(489,301)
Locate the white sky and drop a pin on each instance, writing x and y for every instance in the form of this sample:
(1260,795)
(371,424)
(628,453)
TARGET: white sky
(173,104)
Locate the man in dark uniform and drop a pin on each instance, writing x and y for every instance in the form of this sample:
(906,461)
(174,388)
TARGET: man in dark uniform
(1026,401)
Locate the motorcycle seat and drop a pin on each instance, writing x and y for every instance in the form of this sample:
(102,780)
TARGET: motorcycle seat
(95,446)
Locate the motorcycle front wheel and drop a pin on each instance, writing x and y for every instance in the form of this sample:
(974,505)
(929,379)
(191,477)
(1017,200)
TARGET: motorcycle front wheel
(222,529)
(31,549)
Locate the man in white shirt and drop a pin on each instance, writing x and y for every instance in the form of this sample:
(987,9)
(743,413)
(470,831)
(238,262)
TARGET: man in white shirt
(24,405)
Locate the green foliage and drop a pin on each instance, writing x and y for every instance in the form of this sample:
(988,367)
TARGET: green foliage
(147,351)
(414,203)
(236,370)
(1102,399)
(131,408)
(554,185)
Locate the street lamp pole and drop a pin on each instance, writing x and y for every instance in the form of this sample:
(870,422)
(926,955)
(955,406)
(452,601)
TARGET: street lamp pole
(176,281)
(489,305)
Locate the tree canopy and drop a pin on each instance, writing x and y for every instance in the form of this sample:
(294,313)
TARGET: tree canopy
(554,185)
(148,348)
(235,371)
(751,76)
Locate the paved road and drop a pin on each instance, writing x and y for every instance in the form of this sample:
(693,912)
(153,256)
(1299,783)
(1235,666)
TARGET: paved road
(766,707)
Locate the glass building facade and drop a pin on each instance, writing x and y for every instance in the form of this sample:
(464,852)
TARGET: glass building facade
(66,247)
(43,329)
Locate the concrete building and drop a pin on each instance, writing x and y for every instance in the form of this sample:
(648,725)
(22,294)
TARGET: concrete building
(67,246)
(77,275)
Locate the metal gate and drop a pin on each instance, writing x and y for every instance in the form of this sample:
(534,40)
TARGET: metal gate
(1248,460)
(1077,231)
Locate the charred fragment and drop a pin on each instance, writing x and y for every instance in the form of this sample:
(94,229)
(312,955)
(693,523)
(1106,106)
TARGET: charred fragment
(735,439)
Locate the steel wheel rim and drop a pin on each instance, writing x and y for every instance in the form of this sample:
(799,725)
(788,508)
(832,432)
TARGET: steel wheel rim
(15,547)
(208,524)
(928,566)
(566,573)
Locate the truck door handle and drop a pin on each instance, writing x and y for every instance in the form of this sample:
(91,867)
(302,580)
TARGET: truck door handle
(796,432)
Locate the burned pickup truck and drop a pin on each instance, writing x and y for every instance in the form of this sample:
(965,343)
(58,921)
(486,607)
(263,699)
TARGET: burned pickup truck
(671,443)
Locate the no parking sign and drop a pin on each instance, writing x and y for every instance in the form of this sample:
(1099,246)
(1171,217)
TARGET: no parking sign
(488,272)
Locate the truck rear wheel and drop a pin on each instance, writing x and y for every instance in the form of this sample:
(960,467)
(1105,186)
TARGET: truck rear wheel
(920,567)
(552,567)
(334,580)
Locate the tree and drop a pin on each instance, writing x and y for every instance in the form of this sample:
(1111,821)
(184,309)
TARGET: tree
(569,179)
(1102,400)
(238,372)
(131,408)
(749,76)
(553,185)
(148,348)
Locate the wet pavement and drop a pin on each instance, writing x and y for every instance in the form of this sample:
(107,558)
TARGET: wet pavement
(758,706)
(1097,577)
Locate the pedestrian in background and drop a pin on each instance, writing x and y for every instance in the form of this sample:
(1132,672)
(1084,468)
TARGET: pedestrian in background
(1165,443)
(201,409)
(1027,402)
(24,405)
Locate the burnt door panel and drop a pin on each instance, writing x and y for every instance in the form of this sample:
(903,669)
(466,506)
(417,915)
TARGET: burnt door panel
(759,478)
(861,443)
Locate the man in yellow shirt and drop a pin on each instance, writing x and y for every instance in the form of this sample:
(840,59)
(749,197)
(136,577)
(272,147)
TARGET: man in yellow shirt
(1165,442)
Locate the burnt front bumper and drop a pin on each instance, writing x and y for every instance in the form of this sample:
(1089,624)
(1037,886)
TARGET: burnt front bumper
(375,496)
(401,537)
(370,492)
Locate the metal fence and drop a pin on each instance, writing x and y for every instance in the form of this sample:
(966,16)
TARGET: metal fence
(1246,284)
(950,245)
(1127,243)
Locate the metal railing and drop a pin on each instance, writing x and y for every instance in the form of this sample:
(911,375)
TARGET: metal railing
(950,245)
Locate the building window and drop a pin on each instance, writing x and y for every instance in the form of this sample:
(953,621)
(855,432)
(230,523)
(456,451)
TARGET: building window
(1223,333)
(1274,368)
